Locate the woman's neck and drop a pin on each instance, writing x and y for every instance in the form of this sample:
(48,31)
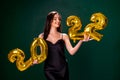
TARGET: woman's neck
(53,30)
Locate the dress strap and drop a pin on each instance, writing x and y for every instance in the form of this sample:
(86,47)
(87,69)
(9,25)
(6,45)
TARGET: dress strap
(61,35)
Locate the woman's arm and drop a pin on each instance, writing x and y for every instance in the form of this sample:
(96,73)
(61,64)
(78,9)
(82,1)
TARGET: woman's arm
(72,50)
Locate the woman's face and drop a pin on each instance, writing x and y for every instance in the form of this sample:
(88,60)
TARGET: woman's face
(56,21)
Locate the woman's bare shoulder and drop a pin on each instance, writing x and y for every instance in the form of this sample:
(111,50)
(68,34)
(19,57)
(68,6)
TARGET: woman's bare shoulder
(41,35)
(65,35)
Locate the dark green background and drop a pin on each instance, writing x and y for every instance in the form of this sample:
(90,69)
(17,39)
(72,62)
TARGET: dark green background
(23,20)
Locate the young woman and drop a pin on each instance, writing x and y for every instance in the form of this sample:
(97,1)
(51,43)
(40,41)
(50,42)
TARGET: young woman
(56,66)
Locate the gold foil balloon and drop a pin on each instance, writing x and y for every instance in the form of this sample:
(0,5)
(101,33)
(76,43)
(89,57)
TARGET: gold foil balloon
(76,25)
(19,56)
(99,22)
(43,47)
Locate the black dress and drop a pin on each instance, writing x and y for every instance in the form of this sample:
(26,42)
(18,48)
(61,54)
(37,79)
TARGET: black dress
(56,67)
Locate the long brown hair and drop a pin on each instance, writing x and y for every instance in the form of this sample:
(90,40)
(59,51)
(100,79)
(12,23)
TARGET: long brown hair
(49,19)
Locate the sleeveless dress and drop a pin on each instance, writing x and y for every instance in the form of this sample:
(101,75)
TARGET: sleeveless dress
(56,67)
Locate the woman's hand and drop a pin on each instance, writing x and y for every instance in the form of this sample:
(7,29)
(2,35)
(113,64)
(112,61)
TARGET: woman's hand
(34,62)
(86,37)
